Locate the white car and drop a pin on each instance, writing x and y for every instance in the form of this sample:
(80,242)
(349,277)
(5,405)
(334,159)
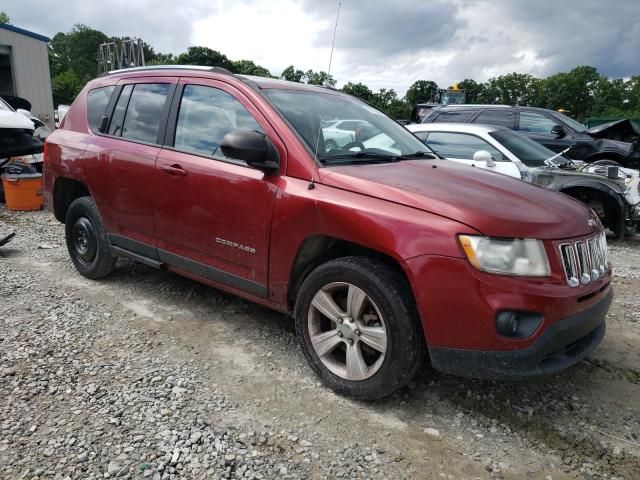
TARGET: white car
(613,192)
(339,133)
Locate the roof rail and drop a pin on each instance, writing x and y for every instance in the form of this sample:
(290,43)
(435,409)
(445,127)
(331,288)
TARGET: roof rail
(200,68)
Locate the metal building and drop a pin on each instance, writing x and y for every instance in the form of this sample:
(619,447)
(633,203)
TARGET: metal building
(24,70)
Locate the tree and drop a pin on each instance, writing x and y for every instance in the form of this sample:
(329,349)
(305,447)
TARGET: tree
(319,78)
(65,86)
(421,91)
(472,87)
(76,50)
(511,89)
(4,18)
(359,90)
(247,67)
(204,56)
(292,75)
(573,91)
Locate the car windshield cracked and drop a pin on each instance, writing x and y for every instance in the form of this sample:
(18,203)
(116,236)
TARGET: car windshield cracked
(339,129)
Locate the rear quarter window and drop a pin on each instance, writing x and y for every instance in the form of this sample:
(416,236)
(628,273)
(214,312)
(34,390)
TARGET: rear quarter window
(97,101)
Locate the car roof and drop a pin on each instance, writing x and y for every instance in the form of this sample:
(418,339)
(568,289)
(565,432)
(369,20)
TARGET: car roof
(454,127)
(477,106)
(214,72)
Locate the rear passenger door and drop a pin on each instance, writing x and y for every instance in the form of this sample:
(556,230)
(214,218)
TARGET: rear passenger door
(213,213)
(130,146)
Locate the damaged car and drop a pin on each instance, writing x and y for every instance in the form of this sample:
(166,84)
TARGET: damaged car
(611,191)
(552,129)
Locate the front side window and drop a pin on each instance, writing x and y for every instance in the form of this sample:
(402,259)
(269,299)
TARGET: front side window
(97,101)
(142,120)
(460,145)
(206,115)
(535,123)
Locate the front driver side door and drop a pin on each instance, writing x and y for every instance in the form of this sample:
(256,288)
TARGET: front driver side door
(460,147)
(213,214)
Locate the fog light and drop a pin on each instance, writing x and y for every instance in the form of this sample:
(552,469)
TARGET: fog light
(514,324)
(507,324)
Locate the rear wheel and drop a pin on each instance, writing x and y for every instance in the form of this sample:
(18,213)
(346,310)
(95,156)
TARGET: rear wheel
(330,145)
(357,324)
(86,239)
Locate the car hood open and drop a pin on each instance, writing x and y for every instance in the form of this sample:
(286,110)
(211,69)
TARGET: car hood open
(623,130)
(494,204)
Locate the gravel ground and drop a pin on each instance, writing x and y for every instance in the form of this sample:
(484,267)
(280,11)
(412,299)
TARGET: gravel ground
(149,375)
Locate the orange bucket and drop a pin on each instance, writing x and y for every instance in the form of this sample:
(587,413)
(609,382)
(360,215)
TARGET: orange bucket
(23,191)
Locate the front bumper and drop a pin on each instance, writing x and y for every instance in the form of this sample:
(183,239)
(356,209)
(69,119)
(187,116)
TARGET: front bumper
(561,345)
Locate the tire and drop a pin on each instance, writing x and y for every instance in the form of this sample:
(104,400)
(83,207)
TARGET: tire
(330,145)
(386,313)
(607,162)
(87,240)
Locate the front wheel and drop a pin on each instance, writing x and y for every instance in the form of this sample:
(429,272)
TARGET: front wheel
(607,162)
(358,327)
(86,239)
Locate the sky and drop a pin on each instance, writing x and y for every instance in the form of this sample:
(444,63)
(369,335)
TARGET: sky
(381,43)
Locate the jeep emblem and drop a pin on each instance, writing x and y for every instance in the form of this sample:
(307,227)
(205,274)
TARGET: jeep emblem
(592,223)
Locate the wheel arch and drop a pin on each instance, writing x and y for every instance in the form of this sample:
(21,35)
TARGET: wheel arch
(613,202)
(318,249)
(65,191)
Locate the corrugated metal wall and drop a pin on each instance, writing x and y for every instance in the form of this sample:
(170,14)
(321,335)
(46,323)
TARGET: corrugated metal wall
(31,73)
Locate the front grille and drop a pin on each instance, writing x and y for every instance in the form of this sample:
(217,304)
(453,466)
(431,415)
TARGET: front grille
(585,260)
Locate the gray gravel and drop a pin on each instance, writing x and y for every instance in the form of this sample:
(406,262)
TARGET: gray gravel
(149,375)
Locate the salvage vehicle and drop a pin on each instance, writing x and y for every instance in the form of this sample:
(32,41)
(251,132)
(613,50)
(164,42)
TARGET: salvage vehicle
(612,192)
(382,258)
(552,129)
(21,137)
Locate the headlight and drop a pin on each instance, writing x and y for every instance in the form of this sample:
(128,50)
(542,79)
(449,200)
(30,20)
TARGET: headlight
(510,256)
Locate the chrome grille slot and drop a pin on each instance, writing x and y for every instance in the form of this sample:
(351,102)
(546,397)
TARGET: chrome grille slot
(570,263)
(585,261)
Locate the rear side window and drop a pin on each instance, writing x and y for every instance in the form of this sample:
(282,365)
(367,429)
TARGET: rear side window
(502,118)
(206,115)
(97,101)
(142,120)
(455,116)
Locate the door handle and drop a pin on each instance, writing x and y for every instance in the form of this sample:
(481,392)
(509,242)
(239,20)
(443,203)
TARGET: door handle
(174,170)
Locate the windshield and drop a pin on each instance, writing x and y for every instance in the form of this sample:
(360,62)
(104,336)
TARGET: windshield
(577,126)
(531,153)
(364,133)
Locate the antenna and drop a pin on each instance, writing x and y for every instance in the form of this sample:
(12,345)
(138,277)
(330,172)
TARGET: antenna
(333,44)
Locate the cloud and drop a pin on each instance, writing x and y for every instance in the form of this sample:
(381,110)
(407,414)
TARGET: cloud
(384,44)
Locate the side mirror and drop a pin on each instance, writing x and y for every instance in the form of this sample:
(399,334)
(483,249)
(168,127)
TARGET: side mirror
(484,156)
(558,131)
(252,147)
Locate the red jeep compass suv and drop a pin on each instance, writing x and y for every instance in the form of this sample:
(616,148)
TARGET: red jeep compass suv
(383,253)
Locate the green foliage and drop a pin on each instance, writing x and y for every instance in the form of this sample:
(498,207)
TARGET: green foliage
(4,18)
(310,77)
(76,50)
(292,75)
(421,91)
(204,56)
(247,67)
(65,86)
(359,90)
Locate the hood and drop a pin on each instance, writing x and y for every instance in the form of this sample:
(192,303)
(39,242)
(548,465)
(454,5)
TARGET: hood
(15,120)
(623,130)
(494,204)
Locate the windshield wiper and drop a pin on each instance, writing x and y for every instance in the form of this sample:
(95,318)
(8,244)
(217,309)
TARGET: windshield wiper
(549,161)
(363,156)
(418,155)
